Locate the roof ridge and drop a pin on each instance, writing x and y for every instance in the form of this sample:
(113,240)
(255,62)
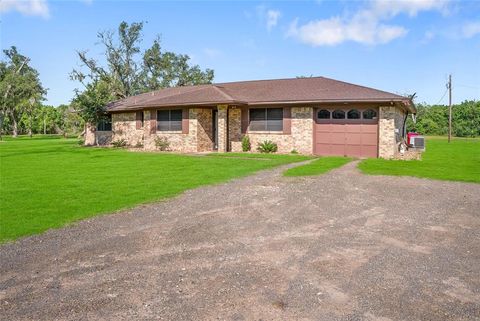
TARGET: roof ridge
(361,86)
(221,91)
(315,77)
(260,80)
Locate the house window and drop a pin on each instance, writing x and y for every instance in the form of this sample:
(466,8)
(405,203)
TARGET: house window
(323,114)
(369,114)
(266,119)
(139,119)
(105,124)
(338,114)
(353,114)
(169,120)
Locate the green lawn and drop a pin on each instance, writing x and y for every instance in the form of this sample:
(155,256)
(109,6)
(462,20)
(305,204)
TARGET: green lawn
(457,161)
(317,167)
(49,182)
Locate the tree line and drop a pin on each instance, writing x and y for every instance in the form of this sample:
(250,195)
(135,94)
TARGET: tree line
(433,119)
(128,70)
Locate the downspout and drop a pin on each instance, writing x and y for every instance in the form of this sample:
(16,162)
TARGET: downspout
(404,130)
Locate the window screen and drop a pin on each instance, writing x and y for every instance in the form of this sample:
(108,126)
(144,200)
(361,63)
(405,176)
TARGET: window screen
(266,119)
(169,120)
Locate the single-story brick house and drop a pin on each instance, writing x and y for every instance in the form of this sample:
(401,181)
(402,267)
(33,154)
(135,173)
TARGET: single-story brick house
(313,115)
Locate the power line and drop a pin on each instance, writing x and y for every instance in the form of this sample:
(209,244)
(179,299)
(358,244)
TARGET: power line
(443,96)
(468,86)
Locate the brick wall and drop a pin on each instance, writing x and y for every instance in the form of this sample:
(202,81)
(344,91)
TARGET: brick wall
(124,126)
(235,129)
(390,126)
(204,130)
(200,136)
(179,142)
(102,137)
(300,139)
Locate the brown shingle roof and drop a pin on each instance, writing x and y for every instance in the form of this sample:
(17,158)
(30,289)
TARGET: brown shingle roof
(275,91)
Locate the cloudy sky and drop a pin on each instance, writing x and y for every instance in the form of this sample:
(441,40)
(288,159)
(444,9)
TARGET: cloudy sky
(399,46)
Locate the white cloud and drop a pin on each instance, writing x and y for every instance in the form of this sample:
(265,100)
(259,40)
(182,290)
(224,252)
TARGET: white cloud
(365,26)
(272,18)
(212,52)
(266,16)
(26,7)
(410,7)
(471,29)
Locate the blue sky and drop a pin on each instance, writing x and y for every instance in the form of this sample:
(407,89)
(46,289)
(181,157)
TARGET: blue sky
(399,46)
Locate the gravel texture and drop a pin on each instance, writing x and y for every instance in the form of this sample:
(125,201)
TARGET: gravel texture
(341,246)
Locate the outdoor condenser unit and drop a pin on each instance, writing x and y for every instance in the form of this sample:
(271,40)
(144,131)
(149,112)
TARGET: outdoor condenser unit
(417,142)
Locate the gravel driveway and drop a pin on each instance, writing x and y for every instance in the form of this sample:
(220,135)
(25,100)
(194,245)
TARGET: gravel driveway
(341,246)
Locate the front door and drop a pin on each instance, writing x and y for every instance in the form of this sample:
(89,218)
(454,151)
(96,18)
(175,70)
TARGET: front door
(215,129)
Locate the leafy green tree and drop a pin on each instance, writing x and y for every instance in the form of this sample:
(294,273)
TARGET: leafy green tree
(68,120)
(466,119)
(433,120)
(19,83)
(129,72)
(167,69)
(92,102)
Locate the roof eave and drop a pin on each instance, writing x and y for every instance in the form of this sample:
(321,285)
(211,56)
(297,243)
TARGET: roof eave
(199,104)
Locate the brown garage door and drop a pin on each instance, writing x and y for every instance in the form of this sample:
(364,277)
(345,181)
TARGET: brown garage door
(346,132)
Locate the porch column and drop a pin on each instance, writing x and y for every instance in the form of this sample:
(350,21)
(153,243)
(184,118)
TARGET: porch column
(222,128)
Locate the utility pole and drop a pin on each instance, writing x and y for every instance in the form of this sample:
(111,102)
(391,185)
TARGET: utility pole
(449,85)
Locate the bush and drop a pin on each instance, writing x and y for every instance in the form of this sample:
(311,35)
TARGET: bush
(246,146)
(81,141)
(139,144)
(267,146)
(162,143)
(120,143)
(294,151)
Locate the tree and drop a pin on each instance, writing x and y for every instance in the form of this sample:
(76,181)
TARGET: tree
(92,102)
(433,120)
(19,83)
(167,69)
(69,121)
(129,72)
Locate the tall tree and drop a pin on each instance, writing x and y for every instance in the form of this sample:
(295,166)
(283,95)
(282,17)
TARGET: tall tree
(128,71)
(19,83)
(167,69)
(92,102)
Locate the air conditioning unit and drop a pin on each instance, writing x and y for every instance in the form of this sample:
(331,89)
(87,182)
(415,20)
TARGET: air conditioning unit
(417,142)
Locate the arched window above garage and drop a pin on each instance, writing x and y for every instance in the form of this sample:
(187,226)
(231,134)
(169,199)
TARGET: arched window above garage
(369,114)
(338,114)
(353,114)
(323,114)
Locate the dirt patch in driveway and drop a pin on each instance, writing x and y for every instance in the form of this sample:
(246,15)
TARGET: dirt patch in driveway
(341,246)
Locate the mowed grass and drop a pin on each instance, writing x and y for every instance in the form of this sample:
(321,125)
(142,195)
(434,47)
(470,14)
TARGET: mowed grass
(317,167)
(49,182)
(455,161)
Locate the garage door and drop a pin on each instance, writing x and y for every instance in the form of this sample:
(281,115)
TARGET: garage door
(346,132)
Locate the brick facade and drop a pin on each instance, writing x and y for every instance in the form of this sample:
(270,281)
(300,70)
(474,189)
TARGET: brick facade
(300,139)
(197,139)
(200,132)
(390,127)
